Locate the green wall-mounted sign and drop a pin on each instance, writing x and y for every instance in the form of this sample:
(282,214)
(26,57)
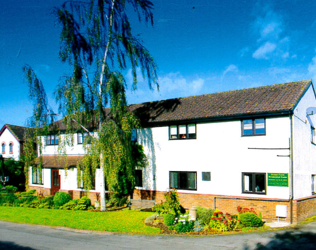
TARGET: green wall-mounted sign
(278,179)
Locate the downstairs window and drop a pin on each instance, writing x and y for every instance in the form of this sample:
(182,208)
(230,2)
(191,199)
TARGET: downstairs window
(254,183)
(182,180)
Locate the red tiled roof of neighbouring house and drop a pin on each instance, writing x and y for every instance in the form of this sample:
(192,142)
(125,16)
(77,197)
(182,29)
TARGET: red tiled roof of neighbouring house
(18,131)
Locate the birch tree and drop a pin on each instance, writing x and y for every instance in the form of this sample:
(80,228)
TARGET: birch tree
(97,42)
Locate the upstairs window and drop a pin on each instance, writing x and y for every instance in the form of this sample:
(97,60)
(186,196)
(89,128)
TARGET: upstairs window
(52,140)
(313,135)
(254,183)
(254,127)
(11,148)
(3,148)
(184,131)
(84,137)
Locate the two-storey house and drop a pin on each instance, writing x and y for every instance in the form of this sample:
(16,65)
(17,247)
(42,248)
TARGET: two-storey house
(251,147)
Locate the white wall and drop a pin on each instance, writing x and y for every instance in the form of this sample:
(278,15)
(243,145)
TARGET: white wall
(69,141)
(68,180)
(304,157)
(221,150)
(7,137)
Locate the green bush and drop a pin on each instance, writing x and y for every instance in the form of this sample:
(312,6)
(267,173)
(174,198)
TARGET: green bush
(61,198)
(168,219)
(70,205)
(10,189)
(184,227)
(171,205)
(204,214)
(117,201)
(250,220)
(83,203)
(8,198)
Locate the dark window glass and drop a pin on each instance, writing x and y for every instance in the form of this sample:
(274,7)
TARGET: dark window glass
(11,148)
(134,135)
(138,178)
(3,148)
(182,180)
(254,183)
(206,176)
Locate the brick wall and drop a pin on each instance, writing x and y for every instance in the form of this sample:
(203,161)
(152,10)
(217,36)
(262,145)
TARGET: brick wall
(305,208)
(301,209)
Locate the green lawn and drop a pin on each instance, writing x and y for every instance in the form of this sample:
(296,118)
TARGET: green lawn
(125,221)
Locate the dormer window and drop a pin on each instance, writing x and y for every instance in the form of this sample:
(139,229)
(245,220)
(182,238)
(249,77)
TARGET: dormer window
(183,131)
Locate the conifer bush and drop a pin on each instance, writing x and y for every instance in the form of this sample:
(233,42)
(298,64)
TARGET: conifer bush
(61,198)
(250,219)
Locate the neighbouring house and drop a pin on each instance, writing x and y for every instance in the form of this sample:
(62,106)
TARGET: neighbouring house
(12,138)
(252,147)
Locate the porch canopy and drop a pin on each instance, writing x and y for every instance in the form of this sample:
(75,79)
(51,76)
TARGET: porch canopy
(59,161)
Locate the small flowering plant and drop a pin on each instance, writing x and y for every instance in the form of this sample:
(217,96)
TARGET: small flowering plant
(224,222)
(242,210)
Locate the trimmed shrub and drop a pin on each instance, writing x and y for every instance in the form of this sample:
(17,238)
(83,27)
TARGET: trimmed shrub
(204,214)
(61,198)
(168,219)
(250,220)
(70,205)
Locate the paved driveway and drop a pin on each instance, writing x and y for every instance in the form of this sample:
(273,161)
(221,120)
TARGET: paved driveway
(28,237)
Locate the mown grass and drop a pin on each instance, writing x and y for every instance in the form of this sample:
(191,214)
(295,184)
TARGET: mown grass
(126,221)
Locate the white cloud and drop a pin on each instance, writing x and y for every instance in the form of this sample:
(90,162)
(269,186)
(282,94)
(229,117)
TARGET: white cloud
(271,45)
(231,68)
(263,51)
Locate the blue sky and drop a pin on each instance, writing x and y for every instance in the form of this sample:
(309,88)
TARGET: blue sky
(200,46)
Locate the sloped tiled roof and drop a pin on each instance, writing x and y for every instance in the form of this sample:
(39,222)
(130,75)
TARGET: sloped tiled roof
(18,131)
(59,161)
(259,100)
